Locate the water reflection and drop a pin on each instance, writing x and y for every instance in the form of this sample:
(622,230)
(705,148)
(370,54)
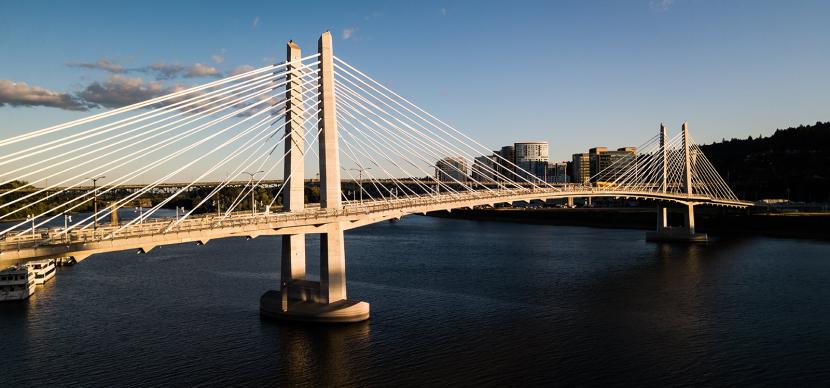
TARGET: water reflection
(322,355)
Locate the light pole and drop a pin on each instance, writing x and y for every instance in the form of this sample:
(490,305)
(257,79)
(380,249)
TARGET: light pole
(360,179)
(95,203)
(253,204)
(29,216)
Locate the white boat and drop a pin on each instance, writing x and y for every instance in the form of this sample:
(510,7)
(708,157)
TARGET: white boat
(16,283)
(44,270)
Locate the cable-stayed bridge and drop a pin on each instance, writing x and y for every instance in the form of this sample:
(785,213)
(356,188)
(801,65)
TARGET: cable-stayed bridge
(311,119)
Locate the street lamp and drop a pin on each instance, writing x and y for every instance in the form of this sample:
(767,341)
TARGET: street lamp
(140,210)
(253,204)
(360,179)
(95,203)
(32,217)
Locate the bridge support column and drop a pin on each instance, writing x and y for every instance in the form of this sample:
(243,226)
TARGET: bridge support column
(332,265)
(689,219)
(681,233)
(662,217)
(327,302)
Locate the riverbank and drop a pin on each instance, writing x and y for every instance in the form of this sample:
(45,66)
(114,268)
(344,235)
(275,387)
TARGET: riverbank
(708,220)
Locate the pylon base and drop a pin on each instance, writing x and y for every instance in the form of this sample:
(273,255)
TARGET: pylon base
(342,311)
(676,235)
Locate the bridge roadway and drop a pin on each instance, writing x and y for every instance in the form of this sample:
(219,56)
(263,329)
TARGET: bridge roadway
(80,244)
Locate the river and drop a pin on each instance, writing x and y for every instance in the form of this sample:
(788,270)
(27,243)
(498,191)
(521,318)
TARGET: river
(454,302)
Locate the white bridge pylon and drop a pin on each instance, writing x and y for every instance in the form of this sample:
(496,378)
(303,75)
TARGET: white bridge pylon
(311,122)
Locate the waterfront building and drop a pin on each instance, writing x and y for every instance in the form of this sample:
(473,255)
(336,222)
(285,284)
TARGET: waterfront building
(614,163)
(451,169)
(581,168)
(557,172)
(505,161)
(532,158)
(593,156)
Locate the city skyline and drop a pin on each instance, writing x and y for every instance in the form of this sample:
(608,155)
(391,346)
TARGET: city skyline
(644,66)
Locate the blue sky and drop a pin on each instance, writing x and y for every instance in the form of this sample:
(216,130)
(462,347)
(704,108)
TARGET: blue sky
(578,74)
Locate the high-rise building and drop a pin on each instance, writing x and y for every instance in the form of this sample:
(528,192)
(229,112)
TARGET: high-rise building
(581,166)
(593,155)
(504,163)
(451,169)
(532,159)
(612,164)
(557,172)
(531,151)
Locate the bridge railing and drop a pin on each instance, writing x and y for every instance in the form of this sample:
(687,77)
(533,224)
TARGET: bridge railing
(242,219)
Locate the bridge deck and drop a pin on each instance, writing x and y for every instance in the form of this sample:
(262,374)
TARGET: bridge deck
(80,244)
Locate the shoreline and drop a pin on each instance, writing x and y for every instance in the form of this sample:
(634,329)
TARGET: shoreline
(708,220)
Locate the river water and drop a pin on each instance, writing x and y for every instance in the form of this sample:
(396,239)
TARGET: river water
(453,302)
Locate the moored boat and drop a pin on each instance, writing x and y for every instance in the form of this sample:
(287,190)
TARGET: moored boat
(44,270)
(16,283)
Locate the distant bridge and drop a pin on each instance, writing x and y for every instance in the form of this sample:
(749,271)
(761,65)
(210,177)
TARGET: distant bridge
(238,124)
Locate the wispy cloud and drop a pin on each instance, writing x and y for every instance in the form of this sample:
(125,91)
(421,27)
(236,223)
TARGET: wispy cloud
(21,94)
(160,70)
(119,88)
(348,33)
(218,57)
(443,12)
(101,64)
(255,23)
(164,71)
(240,69)
(200,70)
(660,5)
(118,91)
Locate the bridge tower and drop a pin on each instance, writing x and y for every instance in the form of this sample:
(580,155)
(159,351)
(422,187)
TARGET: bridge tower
(686,232)
(662,210)
(301,299)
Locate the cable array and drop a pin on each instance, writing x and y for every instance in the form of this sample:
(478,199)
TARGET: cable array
(231,125)
(662,169)
(390,150)
(401,150)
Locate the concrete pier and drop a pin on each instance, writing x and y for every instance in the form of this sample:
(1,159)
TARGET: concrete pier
(683,233)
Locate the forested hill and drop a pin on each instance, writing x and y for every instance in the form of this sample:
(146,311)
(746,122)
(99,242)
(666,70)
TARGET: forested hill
(797,159)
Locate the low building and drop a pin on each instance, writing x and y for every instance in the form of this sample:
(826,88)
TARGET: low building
(484,168)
